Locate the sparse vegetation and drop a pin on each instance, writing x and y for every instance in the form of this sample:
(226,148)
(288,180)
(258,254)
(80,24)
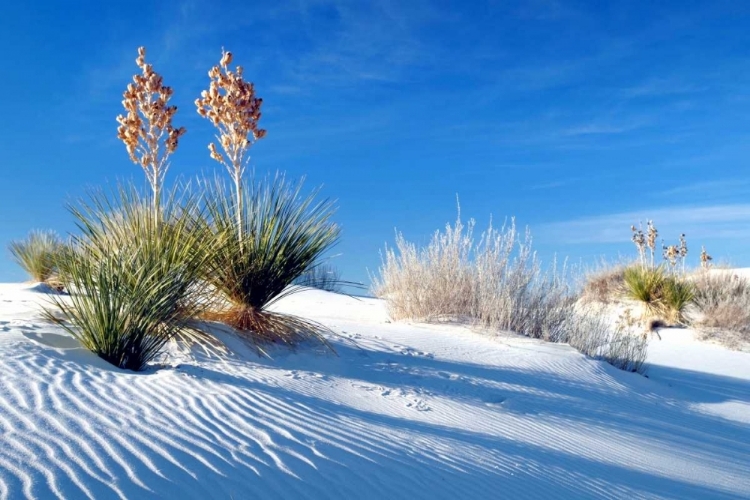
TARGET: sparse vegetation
(37,255)
(723,300)
(604,284)
(645,285)
(495,283)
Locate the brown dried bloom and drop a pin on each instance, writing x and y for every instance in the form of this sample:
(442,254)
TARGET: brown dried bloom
(705,258)
(653,234)
(231,105)
(670,254)
(146,128)
(640,243)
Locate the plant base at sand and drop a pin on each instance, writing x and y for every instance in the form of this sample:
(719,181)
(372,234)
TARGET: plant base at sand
(133,282)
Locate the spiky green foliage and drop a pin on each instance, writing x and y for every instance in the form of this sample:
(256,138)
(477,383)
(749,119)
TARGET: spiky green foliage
(677,295)
(37,254)
(133,280)
(644,284)
(284,235)
(323,276)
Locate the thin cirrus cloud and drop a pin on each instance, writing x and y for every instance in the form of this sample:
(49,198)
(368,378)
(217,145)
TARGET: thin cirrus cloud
(730,221)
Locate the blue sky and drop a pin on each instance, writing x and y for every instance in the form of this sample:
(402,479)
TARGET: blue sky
(577,118)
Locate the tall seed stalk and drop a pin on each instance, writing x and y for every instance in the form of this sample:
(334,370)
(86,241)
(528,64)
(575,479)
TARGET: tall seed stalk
(231,105)
(146,128)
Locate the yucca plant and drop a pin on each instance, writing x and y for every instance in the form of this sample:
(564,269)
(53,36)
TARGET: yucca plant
(133,276)
(644,284)
(284,235)
(37,254)
(677,295)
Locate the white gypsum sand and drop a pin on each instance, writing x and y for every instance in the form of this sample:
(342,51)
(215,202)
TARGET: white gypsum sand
(410,411)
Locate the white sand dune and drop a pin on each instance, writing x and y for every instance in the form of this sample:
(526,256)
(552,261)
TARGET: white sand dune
(410,411)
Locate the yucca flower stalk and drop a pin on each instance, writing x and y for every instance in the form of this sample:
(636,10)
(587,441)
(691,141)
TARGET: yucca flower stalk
(146,128)
(232,107)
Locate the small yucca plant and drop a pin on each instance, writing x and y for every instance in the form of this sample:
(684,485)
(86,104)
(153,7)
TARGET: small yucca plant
(38,254)
(133,277)
(644,284)
(284,235)
(677,295)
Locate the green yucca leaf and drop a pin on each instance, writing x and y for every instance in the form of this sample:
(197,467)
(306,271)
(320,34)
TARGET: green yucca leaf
(284,235)
(133,280)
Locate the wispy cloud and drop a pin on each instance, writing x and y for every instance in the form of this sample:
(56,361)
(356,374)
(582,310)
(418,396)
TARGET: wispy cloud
(731,221)
(709,188)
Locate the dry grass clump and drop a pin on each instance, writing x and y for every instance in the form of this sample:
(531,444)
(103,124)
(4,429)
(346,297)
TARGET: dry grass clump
(496,283)
(37,255)
(593,334)
(723,299)
(605,284)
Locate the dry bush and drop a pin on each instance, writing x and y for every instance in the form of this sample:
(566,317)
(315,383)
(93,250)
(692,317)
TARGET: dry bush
(37,254)
(605,284)
(723,299)
(498,284)
(593,334)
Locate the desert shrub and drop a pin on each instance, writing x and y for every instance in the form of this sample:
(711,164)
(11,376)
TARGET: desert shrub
(37,254)
(283,236)
(604,284)
(723,299)
(644,284)
(677,294)
(133,277)
(594,335)
(496,283)
(323,276)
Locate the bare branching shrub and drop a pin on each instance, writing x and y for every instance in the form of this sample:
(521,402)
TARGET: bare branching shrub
(593,334)
(146,128)
(37,254)
(723,299)
(496,283)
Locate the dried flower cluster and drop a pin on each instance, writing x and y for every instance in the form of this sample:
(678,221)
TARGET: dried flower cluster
(670,254)
(639,238)
(146,128)
(231,105)
(653,234)
(705,258)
